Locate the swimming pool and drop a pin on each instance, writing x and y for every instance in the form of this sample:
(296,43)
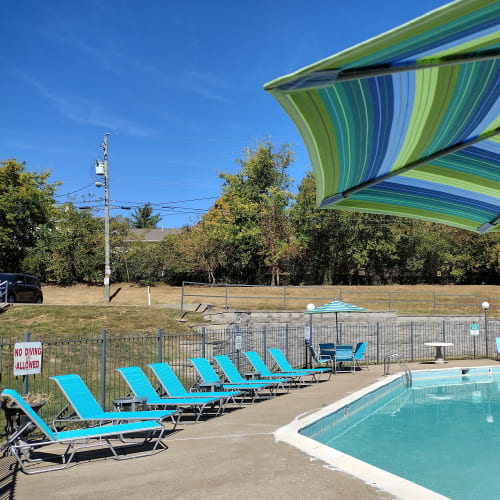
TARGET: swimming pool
(439,438)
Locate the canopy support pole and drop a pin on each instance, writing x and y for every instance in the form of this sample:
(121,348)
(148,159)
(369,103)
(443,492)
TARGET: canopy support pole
(331,200)
(325,78)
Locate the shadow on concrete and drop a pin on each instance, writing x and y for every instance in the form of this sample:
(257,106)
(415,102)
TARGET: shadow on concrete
(9,469)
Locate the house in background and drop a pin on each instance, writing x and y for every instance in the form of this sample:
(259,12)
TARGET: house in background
(152,235)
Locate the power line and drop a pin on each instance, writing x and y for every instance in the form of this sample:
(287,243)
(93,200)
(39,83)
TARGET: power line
(75,191)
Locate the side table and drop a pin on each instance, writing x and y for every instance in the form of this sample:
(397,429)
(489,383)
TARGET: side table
(210,386)
(130,403)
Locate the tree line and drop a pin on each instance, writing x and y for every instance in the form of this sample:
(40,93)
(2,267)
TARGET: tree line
(257,232)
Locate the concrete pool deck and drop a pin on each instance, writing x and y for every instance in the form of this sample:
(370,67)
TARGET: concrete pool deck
(232,456)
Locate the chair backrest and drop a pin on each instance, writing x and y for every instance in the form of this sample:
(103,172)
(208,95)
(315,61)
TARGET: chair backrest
(281,361)
(139,384)
(359,352)
(327,345)
(13,395)
(313,353)
(343,351)
(78,395)
(205,370)
(229,369)
(497,339)
(168,379)
(257,363)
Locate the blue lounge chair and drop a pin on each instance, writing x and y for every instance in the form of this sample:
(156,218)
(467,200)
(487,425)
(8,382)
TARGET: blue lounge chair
(284,365)
(322,360)
(208,375)
(497,340)
(173,387)
(234,376)
(141,387)
(24,448)
(260,366)
(87,408)
(359,354)
(344,354)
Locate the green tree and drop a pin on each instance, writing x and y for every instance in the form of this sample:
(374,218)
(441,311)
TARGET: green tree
(143,218)
(69,248)
(26,203)
(248,222)
(340,246)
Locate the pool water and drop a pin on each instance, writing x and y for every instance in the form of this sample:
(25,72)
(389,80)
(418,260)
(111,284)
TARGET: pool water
(443,434)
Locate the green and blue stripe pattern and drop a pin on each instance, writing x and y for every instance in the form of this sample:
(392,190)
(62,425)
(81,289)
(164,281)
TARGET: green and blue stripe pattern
(408,123)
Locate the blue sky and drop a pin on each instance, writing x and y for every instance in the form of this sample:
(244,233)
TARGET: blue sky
(177,85)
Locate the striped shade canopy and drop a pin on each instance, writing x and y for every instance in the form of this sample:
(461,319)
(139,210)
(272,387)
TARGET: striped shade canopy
(335,307)
(408,123)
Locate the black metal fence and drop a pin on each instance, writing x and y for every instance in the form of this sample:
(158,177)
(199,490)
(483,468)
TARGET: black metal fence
(296,297)
(95,357)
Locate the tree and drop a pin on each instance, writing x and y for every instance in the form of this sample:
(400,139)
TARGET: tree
(69,248)
(341,246)
(249,221)
(143,218)
(26,203)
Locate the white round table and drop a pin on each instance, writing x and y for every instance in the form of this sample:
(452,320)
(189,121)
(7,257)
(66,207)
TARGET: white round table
(439,350)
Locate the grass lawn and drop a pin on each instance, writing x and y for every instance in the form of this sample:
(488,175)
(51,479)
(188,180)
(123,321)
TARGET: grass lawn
(58,320)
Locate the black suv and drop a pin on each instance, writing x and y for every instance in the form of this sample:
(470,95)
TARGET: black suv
(20,288)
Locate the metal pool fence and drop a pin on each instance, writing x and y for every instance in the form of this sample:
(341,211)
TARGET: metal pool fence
(292,298)
(96,356)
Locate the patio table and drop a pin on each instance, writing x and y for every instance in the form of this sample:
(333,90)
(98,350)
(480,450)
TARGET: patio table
(439,358)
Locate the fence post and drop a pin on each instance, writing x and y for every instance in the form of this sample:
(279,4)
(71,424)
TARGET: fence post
(103,371)
(25,377)
(286,341)
(160,345)
(203,334)
(237,348)
(284,297)
(389,301)
(378,343)
(444,339)
(412,347)
(182,300)
(264,341)
(340,293)
(434,301)
(225,306)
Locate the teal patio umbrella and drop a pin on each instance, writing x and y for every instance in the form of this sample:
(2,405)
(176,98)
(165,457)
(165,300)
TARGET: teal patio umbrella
(408,123)
(336,307)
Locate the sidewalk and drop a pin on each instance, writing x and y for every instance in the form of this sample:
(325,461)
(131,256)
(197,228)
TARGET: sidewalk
(233,456)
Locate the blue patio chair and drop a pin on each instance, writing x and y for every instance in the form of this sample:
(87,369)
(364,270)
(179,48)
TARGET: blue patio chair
(87,408)
(284,365)
(359,354)
(173,387)
(209,375)
(497,340)
(343,355)
(141,387)
(260,366)
(234,376)
(24,447)
(322,360)
(327,348)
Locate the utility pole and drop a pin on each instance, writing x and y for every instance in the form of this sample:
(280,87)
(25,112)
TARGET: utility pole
(107,269)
